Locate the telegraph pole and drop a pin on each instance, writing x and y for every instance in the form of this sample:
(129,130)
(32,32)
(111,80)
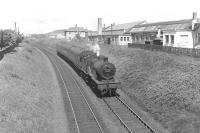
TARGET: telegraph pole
(1,43)
(111,33)
(15,27)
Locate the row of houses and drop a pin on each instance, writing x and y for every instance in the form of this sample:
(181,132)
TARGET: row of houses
(181,33)
(115,34)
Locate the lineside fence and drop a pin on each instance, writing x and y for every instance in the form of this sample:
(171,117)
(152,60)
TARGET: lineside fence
(168,49)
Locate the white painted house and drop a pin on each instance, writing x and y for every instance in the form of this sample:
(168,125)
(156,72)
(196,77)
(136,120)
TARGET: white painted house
(73,32)
(181,33)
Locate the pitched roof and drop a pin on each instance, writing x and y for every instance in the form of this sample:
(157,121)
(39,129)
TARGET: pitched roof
(76,29)
(125,26)
(167,25)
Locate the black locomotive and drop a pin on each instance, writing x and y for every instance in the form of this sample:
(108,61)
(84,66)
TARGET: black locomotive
(97,71)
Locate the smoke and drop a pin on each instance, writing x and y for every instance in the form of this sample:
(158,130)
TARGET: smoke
(94,46)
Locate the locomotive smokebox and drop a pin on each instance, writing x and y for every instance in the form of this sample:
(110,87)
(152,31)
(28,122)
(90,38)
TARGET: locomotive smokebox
(105,69)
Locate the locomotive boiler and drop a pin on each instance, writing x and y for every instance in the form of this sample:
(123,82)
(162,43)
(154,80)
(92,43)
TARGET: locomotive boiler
(97,71)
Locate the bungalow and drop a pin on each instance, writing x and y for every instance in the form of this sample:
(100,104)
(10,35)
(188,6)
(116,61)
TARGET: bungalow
(181,33)
(73,32)
(92,35)
(117,34)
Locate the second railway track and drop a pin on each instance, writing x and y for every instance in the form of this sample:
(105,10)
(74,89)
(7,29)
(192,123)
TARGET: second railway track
(127,117)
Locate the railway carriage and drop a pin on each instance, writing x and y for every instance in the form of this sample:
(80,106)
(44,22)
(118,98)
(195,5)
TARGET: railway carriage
(97,71)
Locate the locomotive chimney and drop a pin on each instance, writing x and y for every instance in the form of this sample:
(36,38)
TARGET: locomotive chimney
(99,26)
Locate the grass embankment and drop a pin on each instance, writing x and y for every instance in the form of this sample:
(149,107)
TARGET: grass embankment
(166,86)
(28,94)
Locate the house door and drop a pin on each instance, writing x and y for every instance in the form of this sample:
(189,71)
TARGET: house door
(109,39)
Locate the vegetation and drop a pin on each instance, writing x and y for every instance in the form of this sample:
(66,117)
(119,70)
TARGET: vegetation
(9,37)
(30,98)
(166,86)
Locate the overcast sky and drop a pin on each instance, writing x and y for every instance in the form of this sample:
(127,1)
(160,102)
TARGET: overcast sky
(41,16)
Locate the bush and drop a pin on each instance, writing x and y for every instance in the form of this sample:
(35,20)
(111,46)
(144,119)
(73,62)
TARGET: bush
(10,37)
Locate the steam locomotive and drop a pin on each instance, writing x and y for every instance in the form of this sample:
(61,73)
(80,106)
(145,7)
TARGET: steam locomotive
(97,71)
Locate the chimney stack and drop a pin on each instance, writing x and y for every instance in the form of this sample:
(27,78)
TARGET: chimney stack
(194,20)
(194,15)
(159,33)
(99,26)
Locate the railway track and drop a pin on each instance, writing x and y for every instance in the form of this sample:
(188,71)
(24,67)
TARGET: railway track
(127,117)
(81,115)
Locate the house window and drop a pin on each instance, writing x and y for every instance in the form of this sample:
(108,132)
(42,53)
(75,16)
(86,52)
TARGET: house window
(121,39)
(172,39)
(147,38)
(166,39)
(124,38)
(151,37)
(137,38)
(127,38)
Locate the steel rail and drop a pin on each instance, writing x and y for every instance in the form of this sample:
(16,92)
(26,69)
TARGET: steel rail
(81,90)
(133,112)
(85,99)
(77,126)
(117,115)
(83,95)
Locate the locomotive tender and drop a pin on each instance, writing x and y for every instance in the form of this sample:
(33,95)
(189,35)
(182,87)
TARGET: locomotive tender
(95,70)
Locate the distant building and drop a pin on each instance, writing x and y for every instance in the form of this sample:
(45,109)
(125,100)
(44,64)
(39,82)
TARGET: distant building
(92,35)
(58,34)
(181,33)
(117,34)
(73,32)
(114,34)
